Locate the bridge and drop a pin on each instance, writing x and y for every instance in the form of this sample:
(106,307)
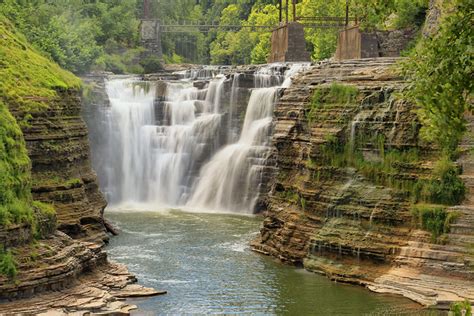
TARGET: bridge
(287,36)
(203,27)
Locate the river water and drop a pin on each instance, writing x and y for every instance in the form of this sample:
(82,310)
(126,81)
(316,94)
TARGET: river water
(205,264)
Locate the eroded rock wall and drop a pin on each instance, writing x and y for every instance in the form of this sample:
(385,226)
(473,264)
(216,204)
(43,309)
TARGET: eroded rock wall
(351,225)
(61,171)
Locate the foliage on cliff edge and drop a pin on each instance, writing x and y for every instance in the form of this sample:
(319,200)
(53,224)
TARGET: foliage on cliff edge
(15,194)
(28,83)
(28,80)
(440,73)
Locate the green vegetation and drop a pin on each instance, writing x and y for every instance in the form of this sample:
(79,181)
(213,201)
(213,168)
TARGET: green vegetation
(458,307)
(390,14)
(290,196)
(121,63)
(445,186)
(434,219)
(45,222)
(439,72)
(7,264)
(76,34)
(15,195)
(85,35)
(440,76)
(27,79)
(334,94)
(28,82)
(151,64)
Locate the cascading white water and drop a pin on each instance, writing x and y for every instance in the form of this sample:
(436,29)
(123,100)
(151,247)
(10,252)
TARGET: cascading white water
(131,110)
(229,181)
(234,94)
(158,160)
(170,149)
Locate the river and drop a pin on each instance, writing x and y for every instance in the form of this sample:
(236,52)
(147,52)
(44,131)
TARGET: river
(205,263)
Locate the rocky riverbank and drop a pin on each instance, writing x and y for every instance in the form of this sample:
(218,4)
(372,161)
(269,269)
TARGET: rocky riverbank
(67,271)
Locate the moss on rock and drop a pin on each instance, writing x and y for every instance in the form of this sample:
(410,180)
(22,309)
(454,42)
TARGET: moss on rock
(15,191)
(28,80)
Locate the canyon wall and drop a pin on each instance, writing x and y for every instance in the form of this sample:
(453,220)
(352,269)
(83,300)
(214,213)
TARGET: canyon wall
(54,251)
(348,157)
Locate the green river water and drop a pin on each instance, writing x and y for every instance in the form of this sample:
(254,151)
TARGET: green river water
(205,264)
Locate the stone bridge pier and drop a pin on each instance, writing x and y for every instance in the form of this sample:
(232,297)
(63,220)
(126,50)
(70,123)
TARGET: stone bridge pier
(150,37)
(288,44)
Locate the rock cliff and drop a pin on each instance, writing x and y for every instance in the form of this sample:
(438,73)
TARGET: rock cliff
(57,143)
(36,258)
(349,157)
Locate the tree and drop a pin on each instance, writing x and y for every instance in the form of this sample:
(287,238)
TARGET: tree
(439,73)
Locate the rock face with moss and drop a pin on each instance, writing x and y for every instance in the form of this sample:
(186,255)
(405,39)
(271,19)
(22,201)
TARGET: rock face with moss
(45,100)
(358,196)
(46,182)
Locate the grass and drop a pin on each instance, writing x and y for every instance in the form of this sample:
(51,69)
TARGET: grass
(45,215)
(334,94)
(443,186)
(28,80)
(28,84)
(15,181)
(7,264)
(457,308)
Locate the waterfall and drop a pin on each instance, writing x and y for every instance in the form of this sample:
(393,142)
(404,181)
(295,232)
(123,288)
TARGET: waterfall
(157,161)
(233,104)
(176,143)
(131,111)
(229,181)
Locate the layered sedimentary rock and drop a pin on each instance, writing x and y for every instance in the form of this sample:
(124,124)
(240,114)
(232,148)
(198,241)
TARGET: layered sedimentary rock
(355,226)
(64,276)
(72,259)
(61,172)
(65,268)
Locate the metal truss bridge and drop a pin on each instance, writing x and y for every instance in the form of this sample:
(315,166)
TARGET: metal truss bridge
(202,27)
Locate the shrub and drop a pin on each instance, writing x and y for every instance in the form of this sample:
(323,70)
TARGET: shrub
(446,187)
(7,264)
(173,59)
(458,307)
(151,64)
(434,219)
(439,73)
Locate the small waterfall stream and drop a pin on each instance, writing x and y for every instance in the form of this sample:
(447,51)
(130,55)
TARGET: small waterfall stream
(181,147)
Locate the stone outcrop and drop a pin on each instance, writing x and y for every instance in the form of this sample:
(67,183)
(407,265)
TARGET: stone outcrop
(62,276)
(70,260)
(355,226)
(40,260)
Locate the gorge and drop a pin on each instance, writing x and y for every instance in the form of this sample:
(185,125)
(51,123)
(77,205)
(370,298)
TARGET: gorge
(331,187)
(359,230)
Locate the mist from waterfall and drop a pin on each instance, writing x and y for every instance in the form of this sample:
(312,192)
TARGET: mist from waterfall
(184,149)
